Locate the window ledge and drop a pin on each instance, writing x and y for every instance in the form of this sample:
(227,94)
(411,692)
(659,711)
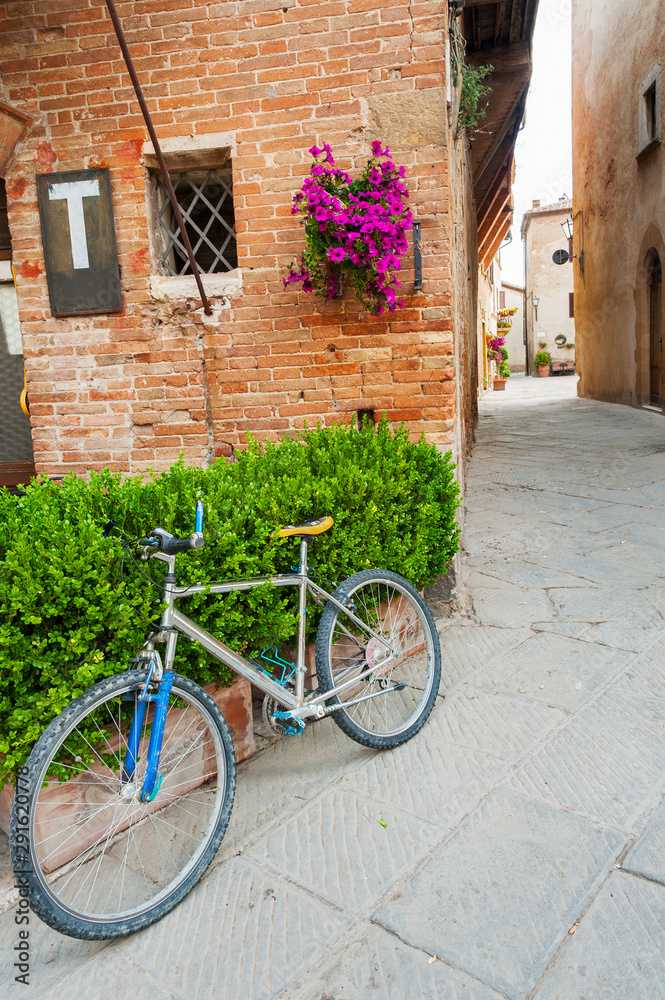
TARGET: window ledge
(217,286)
(643,153)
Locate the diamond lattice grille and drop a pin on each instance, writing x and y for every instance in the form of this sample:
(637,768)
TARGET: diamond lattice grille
(206,204)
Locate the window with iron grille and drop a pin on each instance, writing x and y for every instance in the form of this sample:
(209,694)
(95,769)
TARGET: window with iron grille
(205,198)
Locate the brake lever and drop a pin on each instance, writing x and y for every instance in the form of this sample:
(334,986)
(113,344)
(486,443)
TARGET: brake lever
(148,543)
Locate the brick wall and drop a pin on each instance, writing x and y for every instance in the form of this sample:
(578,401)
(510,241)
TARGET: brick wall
(137,388)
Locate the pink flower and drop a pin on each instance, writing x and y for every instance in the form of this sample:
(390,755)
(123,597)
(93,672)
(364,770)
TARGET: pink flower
(336,254)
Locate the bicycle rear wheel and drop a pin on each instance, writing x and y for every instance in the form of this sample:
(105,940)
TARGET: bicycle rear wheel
(102,863)
(391,664)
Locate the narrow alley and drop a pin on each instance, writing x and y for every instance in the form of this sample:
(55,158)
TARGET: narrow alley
(515,847)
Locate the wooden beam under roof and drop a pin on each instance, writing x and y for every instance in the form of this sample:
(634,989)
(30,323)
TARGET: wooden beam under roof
(475,18)
(517,21)
(498,24)
(490,253)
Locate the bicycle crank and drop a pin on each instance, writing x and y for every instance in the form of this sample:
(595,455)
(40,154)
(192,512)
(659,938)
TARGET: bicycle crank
(280,723)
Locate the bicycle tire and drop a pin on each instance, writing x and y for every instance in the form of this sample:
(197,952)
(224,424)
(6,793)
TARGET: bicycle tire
(394,610)
(104,864)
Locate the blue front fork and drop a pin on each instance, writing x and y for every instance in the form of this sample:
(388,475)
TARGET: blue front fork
(151,781)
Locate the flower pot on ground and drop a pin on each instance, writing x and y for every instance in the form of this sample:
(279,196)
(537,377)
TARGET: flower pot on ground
(499,384)
(542,361)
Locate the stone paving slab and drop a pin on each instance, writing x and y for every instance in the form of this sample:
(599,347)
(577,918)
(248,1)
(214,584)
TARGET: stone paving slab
(377,964)
(273,784)
(634,636)
(656,598)
(618,951)
(245,933)
(449,779)
(52,956)
(511,606)
(647,857)
(526,574)
(499,895)
(559,671)
(601,605)
(607,764)
(466,649)
(639,532)
(346,848)
(593,569)
(110,976)
(649,559)
(573,630)
(645,677)
(496,724)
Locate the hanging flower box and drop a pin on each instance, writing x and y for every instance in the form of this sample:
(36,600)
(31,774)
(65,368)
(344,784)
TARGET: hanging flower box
(355,230)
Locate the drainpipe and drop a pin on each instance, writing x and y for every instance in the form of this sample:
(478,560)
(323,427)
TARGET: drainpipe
(158,153)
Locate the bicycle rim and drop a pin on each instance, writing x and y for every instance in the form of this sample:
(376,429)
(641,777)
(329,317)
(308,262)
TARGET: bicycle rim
(100,853)
(394,668)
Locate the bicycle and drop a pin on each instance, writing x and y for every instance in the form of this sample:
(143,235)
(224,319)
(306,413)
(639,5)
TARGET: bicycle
(148,758)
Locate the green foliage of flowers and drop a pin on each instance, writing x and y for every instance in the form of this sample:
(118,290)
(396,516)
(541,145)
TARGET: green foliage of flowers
(70,615)
(543,359)
(471,113)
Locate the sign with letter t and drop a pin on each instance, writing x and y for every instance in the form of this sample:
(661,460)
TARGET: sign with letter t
(78,231)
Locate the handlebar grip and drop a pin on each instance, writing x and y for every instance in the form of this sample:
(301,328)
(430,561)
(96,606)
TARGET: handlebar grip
(198,524)
(173,545)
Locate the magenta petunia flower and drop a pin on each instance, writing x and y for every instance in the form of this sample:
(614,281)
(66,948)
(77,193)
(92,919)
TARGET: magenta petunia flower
(362,222)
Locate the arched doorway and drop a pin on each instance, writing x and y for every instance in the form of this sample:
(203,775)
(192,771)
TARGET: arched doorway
(654,301)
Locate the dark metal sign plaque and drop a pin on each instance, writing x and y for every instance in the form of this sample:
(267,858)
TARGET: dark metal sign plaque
(78,231)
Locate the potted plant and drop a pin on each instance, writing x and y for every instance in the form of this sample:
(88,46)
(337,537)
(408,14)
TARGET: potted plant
(543,360)
(504,371)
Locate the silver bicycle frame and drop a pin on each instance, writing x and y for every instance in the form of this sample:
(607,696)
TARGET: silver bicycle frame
(174,621)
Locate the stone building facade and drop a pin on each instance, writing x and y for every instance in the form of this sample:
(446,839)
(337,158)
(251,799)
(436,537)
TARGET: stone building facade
(549,299)
(238,93)
(512,297)
(619,200)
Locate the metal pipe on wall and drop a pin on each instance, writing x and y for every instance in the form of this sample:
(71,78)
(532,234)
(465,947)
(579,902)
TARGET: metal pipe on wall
(158,153)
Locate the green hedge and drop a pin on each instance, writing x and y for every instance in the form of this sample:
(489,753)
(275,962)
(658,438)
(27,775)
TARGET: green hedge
(68,615)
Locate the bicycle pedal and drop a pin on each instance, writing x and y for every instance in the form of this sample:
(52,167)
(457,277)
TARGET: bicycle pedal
(291,730)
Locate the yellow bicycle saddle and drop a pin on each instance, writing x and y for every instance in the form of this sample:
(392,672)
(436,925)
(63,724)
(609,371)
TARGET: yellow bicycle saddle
(306,528)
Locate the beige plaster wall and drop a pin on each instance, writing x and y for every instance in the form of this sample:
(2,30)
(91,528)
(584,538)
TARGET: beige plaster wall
(548,282)
(621,201)
(489,286)
(515,336)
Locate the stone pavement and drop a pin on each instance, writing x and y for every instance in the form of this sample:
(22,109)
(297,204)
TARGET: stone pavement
(520,837)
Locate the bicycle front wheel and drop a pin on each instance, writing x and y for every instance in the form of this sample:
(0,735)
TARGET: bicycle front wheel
(384,649)
(101,862)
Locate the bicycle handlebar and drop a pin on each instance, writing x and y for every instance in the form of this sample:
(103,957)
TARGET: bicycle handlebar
(169,544)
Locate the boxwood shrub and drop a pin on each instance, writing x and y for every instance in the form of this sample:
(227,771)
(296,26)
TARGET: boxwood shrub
(74,608)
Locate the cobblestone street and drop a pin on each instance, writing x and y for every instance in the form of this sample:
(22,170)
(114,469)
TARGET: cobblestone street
(515,848)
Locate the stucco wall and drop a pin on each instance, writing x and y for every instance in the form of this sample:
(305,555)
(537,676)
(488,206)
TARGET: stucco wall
(514,298)
(621,200)
(550,283)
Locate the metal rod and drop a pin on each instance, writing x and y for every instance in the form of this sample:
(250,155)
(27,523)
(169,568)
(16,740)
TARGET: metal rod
(158,153)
